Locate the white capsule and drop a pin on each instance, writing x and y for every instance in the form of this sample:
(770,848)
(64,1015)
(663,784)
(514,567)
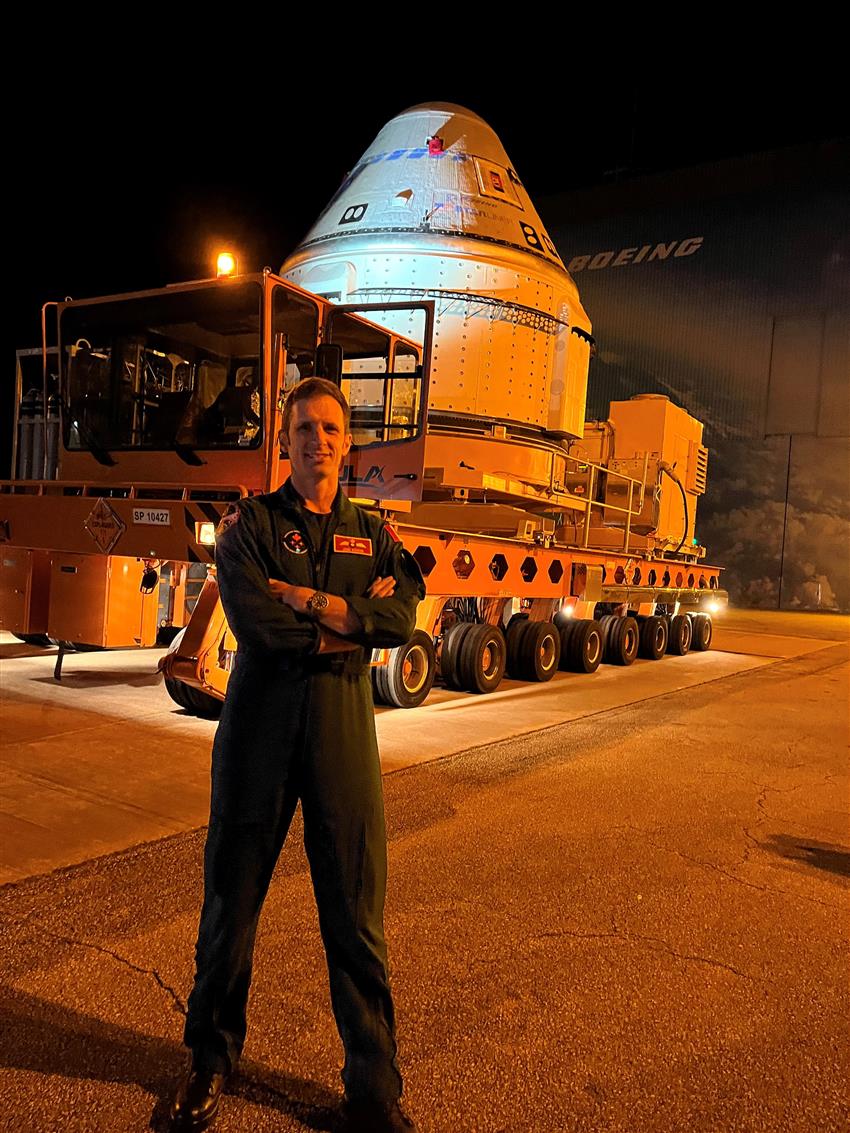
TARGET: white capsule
(434,209)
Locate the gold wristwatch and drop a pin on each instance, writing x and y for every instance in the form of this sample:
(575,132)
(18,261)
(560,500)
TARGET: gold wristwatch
(317,603)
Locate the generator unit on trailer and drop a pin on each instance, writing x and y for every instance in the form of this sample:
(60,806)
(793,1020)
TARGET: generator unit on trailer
(431,292)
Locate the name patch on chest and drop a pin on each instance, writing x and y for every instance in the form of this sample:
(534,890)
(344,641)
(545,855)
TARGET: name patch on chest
(352,545)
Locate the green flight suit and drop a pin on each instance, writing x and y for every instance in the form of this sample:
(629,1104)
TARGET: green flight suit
(299,725)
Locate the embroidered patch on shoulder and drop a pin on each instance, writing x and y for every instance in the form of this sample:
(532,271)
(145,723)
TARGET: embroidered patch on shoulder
(295,542)
(393,534)
(352,545)
(227,521)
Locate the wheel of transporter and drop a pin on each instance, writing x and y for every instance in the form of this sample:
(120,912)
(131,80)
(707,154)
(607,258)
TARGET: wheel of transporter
(534,651)
(621,641)
(679,641)
(565,627)
(194,700)
(653,638)
(481,658)
(605,623)
(702,631)
(581,645)
(409,673)
(166,634)
(513,636)
(450,652)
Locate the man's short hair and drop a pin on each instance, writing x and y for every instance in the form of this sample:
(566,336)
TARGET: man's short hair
(313,387)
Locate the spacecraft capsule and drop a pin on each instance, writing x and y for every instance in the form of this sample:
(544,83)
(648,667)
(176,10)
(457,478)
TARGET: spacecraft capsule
(435,210)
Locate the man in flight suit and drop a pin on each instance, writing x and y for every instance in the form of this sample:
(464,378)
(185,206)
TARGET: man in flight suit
(310,583)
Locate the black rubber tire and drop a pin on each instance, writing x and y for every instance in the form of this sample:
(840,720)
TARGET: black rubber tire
(621,641)
(39,639)
(194,700)
(581,645)
(166,634)
(566,627)
(481,659)
(409,673)
(534,651)
(586,647)
(449,653)
(654,634)
(514,635)
(679,641)
(702,631)
(605,623)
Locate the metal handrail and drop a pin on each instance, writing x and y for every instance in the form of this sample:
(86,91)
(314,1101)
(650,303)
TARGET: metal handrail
(99,487)
(630,511)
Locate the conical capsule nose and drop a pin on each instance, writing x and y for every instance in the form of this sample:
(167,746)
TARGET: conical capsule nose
(436,168)
(434,210)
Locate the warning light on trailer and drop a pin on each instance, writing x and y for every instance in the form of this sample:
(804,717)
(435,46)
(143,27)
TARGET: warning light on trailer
(225,264)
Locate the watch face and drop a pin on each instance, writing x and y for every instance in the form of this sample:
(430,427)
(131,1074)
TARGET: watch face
(317,601)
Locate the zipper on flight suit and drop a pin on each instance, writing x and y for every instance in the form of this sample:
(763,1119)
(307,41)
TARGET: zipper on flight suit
(324,563)
(324,560)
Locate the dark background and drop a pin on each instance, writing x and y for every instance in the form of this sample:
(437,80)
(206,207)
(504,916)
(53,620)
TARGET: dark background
(133,163)
(135,169)
(750,334)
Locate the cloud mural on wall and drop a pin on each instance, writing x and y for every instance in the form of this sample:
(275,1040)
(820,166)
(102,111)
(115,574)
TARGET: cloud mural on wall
(700,329)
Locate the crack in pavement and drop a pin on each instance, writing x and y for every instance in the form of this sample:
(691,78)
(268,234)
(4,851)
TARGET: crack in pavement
(637,937)
(732,876)
(763,813)
(179,1005)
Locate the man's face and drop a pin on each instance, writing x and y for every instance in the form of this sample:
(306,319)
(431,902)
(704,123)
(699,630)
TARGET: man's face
(317,439)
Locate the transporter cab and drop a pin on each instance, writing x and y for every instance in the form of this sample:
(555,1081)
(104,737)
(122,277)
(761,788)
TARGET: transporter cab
(164,408)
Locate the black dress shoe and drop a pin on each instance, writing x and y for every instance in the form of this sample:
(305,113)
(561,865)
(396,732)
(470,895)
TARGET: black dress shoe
(374,1117)
(196,1101)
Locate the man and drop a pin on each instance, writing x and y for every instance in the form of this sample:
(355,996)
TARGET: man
(309,583)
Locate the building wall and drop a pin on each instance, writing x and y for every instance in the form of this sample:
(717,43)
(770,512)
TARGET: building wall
(728,289)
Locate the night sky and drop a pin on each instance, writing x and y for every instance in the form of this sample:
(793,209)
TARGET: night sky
(120,188)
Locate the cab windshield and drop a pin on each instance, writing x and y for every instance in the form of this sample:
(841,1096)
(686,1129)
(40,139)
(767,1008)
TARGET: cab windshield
(180,369)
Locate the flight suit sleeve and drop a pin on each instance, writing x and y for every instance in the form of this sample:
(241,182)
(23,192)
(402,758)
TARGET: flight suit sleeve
(387,622)
(259,622)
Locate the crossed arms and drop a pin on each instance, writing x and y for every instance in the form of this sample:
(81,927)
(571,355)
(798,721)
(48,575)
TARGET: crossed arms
(338,618)
(268,614)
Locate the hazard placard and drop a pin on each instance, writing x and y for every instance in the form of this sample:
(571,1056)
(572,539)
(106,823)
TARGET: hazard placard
(105,526)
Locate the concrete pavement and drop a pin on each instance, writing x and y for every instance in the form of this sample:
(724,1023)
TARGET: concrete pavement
(105,760)
(632,921)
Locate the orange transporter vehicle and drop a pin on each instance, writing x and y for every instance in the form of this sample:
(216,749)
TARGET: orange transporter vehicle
(431,292)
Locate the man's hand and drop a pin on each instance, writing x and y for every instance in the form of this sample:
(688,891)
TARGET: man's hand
(293,596)
(330,643)
(382,588)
